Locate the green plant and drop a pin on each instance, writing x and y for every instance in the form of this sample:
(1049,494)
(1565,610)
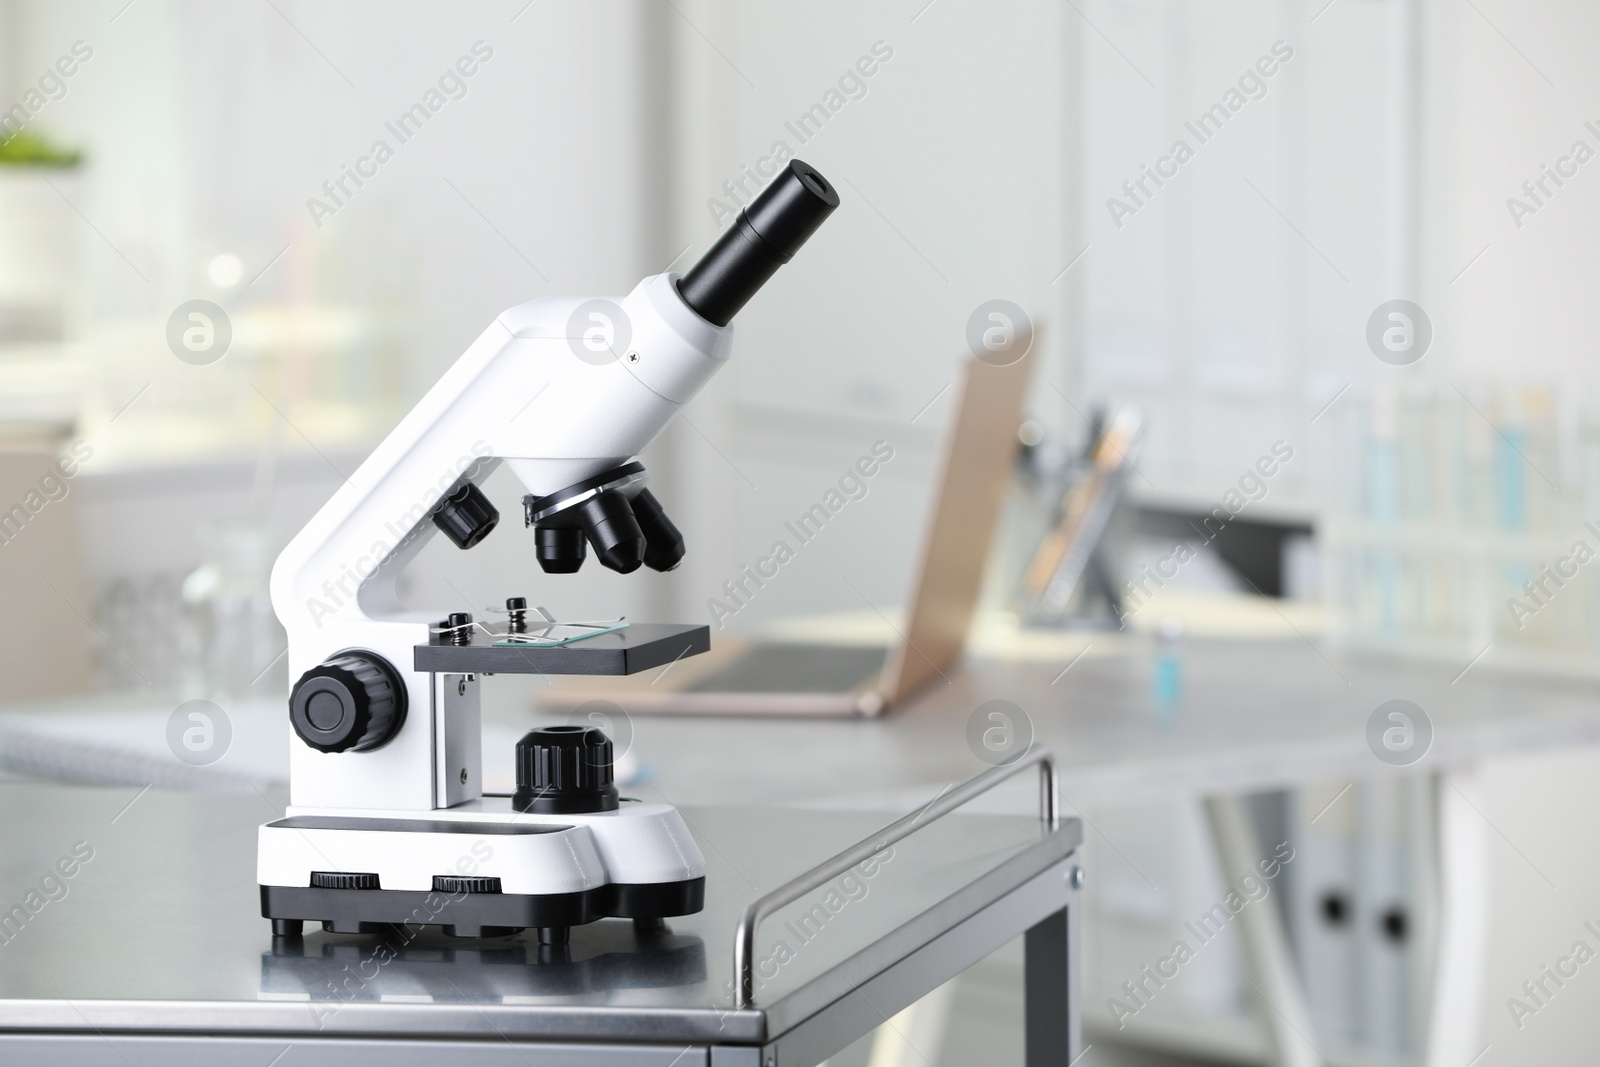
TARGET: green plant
(27,149)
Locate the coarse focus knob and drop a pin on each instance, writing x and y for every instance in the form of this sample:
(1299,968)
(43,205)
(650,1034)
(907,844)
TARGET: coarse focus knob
(564,770)
(352,702)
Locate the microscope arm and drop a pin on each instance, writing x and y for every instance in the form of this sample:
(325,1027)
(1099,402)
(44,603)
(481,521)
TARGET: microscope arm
(518,395)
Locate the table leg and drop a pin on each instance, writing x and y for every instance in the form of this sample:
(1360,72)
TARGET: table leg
(1461,941)
(1053,1023)
(915,1037)
(1269,966)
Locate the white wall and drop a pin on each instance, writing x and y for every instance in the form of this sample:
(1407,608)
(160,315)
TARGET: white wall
(1511,90)
(208,127)
(1524,312)
(951,173)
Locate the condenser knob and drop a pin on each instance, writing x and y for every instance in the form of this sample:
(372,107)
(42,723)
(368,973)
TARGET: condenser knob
(352,702)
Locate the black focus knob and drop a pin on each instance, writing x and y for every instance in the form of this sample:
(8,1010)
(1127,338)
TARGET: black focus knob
(352,702)
(466,516)
(564,770)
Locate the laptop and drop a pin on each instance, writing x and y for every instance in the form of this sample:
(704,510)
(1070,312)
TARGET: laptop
(838,677)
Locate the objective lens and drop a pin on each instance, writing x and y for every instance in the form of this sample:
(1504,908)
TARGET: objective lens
(559,551)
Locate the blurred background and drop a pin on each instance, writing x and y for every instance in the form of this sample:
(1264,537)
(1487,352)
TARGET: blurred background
(1233,297)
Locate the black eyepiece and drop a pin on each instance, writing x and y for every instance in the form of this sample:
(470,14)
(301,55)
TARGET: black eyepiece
(763,238)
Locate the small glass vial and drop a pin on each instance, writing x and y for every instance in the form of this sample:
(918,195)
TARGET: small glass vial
(1167,669)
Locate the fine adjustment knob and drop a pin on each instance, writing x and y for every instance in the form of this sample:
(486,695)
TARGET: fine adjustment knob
(564,770)
(352,702)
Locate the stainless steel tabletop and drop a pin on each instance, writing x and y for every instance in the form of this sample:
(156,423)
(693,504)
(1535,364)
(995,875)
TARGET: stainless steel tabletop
(1254,714)
(157,930)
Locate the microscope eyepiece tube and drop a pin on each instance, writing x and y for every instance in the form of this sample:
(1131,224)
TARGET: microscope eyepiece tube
(764,236)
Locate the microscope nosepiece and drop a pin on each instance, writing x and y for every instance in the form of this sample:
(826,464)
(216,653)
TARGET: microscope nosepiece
(605,522)
(763,237)
(612,513)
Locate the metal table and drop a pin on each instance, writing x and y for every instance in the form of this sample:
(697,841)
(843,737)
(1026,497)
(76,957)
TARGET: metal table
(1255,715)
(132,936)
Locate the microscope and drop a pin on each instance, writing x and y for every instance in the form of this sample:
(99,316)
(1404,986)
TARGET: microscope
(388,825)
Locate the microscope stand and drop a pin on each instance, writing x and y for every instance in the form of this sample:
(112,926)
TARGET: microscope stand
(389,822)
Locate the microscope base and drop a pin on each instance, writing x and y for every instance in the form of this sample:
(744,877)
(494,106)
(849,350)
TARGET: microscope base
(462,914)
(479,869)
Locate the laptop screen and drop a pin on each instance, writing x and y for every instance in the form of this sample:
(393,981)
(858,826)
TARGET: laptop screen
(977,462)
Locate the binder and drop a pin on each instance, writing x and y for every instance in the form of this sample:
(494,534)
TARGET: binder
(1323,905)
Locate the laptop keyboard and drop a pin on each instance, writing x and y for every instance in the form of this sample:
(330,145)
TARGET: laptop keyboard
(784,668)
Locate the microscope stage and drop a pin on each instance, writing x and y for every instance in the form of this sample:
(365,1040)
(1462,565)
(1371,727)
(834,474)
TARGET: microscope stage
(636,648)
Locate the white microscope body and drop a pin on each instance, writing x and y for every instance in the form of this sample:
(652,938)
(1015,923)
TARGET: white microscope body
(387,820)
